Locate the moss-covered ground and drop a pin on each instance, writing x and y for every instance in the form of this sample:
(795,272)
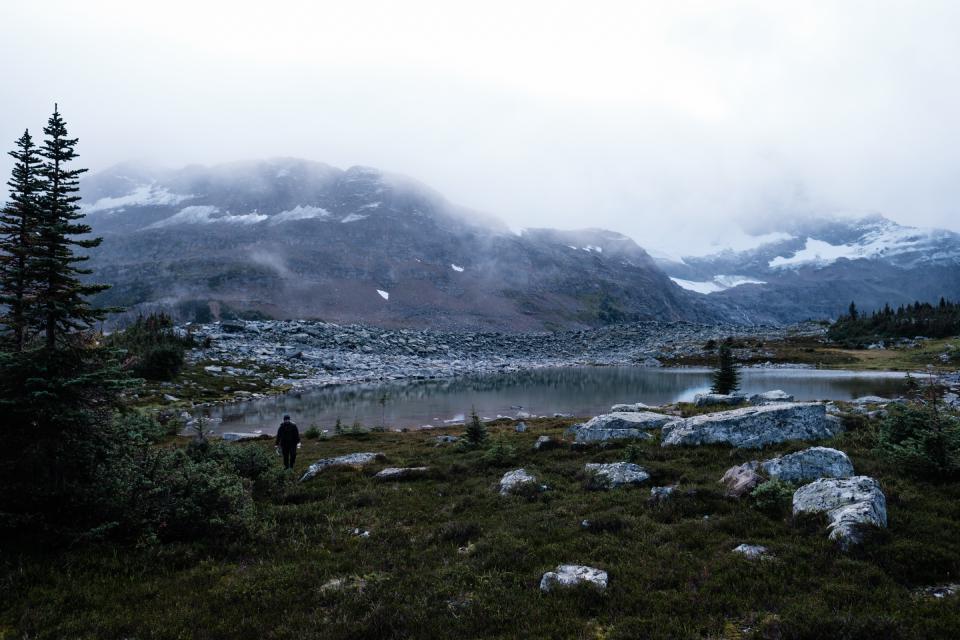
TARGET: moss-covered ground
(447,557)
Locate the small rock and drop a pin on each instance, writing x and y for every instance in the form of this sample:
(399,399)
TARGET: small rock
(741,479)
(521,427)
(713,399)
(660,494)
(399,473)
(616,474)
(769,397)
(545,442)
(628,408)
(940,592)
(512,480)
(568,575)
(751,551)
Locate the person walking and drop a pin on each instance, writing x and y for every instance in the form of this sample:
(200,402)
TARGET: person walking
(288,438)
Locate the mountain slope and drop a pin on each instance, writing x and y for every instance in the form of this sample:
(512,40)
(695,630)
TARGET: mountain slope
(815,268)
(289,238)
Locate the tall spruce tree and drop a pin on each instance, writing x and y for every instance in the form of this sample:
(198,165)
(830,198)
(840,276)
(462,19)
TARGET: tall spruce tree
(18,239)
(726,377)
(63,295)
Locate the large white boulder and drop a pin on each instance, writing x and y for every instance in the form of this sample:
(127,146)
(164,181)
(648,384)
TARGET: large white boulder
(513,480)
(621,408)
(400,473)
(569,575)
(349,460)
(619,425)
(809,464)
(616,474)
(849,503)
(753,427)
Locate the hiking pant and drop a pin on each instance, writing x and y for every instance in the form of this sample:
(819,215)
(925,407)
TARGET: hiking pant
(289,456)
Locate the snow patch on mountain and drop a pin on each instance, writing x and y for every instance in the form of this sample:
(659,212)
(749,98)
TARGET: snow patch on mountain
(354,217)
(718,283)
(207,214)
(300,212)
(456,268)
(383,294)
(142,196)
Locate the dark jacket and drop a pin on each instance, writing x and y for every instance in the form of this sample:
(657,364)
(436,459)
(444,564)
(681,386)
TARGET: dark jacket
(288,435)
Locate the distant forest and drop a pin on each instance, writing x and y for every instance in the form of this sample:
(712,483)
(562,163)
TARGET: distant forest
(856,329)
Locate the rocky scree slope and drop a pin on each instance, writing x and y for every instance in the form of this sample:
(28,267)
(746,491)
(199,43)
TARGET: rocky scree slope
(295,239)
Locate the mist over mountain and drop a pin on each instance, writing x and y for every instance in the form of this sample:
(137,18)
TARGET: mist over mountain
(288,238)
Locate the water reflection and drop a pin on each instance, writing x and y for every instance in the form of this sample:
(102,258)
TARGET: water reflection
(580,391)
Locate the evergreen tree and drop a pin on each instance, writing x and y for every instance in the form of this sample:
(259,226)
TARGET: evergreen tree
(476,431)
(726,377)
(18,230)
(852,311)
(61,292)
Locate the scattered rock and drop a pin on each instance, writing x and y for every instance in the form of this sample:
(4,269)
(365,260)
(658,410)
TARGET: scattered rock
(753,427)
(849,503)
(512,480)
(752,551)
(349,460)
(741,480)
(809,464)
(544,443)
(627,408)
(352,583)
(625,424)
(521,427)
(713,399)
(569,575)
(769,397)
(400,473)
(660,494)
(446,439)
(616,474)
(360,533)
(939,592)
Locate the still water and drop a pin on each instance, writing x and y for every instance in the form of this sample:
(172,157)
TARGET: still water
(579,391)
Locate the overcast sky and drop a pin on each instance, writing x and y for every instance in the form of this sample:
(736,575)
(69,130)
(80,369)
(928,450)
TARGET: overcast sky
(674,122)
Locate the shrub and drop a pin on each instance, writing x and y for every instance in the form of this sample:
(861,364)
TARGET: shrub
(633,452)
(773,496)
(249,461)
(500,453)
(154,349)
(476,433)
(312,433)
(922,439)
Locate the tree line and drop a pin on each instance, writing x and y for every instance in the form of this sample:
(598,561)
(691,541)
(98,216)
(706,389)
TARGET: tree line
(857,329)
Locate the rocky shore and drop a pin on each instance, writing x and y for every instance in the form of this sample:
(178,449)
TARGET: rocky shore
(301,354)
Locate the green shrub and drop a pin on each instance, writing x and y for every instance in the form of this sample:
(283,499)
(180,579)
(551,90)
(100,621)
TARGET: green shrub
(773,496)
(312,433)
(154,350)
(476,433)
(247,460)
(499,454)
(633,452)
(922,439)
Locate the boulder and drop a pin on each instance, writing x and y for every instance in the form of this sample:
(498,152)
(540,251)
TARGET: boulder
(741,480)
(849,504)
(627,408)
(871,400)
(616,474)
(512,480)
(752,551)
(809,464)
(713,399)
(623,424)
(400,473)
(769,397)
(660,494)
(569,575)
(521,427)
(753,427)
(349,460)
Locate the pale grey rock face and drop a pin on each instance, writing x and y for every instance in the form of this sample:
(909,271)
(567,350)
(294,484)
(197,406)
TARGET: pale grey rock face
(512,480)
(768,397)
(741,480)
(621,408)
(712,399)
(659,494)
(568,575)
(521,427)
(751,551)
(753,427)
(619,425)
(545,442)
(848,504)
(349,460)
(809,464)
(399,473)
(616,474)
